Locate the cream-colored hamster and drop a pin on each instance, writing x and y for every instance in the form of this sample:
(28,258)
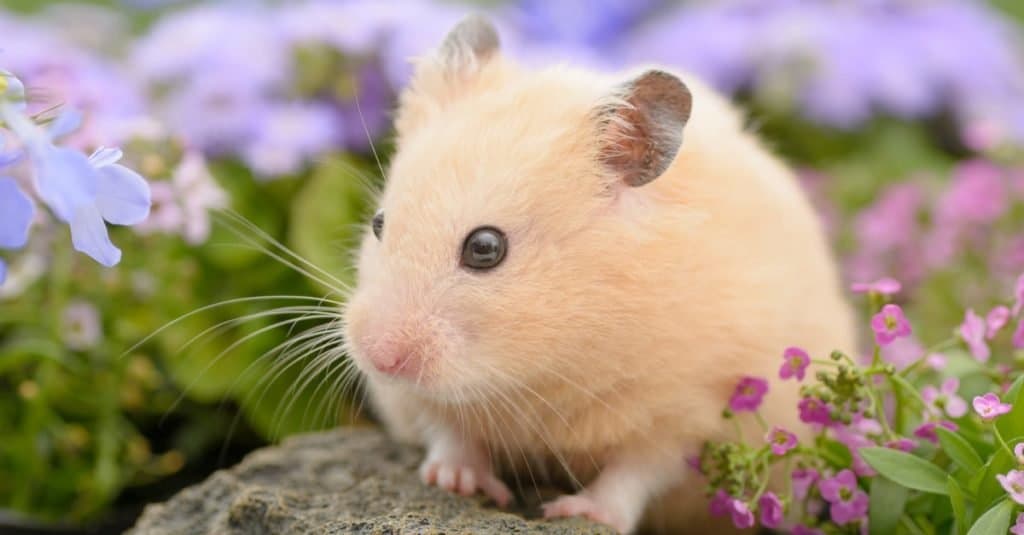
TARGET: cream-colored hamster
(573,270)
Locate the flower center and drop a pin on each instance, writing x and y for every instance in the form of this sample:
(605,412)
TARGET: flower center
(890,322)
(845,494)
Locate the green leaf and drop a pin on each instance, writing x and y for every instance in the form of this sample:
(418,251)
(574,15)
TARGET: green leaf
(959,450)
(959,503)
(886,506)
(990,491)
(324,221)
(908,470)
(1011,424)
(995,521)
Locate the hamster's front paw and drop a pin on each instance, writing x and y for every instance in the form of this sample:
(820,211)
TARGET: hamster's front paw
(463,470)
(589,507)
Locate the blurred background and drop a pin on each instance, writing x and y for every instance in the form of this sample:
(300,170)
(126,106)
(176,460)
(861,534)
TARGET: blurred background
(904,117)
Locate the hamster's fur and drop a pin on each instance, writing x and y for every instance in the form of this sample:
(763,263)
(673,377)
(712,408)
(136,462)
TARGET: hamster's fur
(610,338)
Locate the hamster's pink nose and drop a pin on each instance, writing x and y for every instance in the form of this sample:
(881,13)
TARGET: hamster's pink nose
(395,360)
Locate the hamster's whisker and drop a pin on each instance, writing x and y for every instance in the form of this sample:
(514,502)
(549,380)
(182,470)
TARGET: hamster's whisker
(236,344)
(503,442)
(321,349)
(369,138)
(231,218)
(519,385)
(223,303)
(336,363)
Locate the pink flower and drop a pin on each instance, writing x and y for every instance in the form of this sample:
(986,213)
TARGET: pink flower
(796,362)
(902,444)
(927,430)
(781,440)
(954,405)
(901,353)
(936,361)
(848,502)
(1018,335)
(693,462)
(1018,294)
(1017,528)
(972,332)
(976,195)
(800,529)
(883,286)
(770,508)
(1018,451)
(988,406)
(803,480)
(1013,482)
(889,324)
(995,320)
(854,441)
(741,516)
(748,394)
(814,411)
(892,221)
(721,503)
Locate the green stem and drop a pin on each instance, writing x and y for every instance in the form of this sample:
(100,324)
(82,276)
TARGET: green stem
(999,438)
(760,421)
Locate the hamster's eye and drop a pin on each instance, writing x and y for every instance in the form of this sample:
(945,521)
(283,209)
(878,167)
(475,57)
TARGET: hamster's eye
(484,248)
(378,223)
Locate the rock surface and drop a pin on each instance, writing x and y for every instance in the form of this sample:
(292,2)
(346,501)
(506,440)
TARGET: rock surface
(352,480)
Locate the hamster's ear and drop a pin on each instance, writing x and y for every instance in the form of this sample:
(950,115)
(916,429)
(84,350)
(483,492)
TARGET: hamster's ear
(441,76)
(467,47)
(642,128)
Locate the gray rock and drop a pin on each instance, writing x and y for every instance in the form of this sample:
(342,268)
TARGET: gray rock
(352,480)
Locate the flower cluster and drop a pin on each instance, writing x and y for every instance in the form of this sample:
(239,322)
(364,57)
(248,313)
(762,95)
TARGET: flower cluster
(86,192)
(873,429)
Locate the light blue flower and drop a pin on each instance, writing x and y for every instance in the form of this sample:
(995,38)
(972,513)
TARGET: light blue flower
(82,191)
(16,213)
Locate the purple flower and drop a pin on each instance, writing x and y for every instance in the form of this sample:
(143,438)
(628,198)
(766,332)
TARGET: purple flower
(989,407)
(16,212)
(854,441)
(289,135)
(903,352)
(972,332)
(803,480)
(721,503)
(748,394)
(889,324)
(927,430)
(795,365)
(1013,483)
(1018,526)
(945,398)
(771,510)
(741,516)
(848,502)
(996,320)
(814,411)
(781,441)
(82,191)
(883,286)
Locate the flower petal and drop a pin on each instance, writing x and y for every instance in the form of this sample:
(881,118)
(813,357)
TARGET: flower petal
(65,180)
(89,235)
(105,156)
(16,212)
(123,197)
(65,123)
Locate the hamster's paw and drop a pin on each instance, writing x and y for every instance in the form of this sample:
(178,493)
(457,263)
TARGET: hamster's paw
(465,478)
(586,506)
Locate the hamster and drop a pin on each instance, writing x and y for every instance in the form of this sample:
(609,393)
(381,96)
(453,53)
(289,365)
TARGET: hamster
(573,270)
